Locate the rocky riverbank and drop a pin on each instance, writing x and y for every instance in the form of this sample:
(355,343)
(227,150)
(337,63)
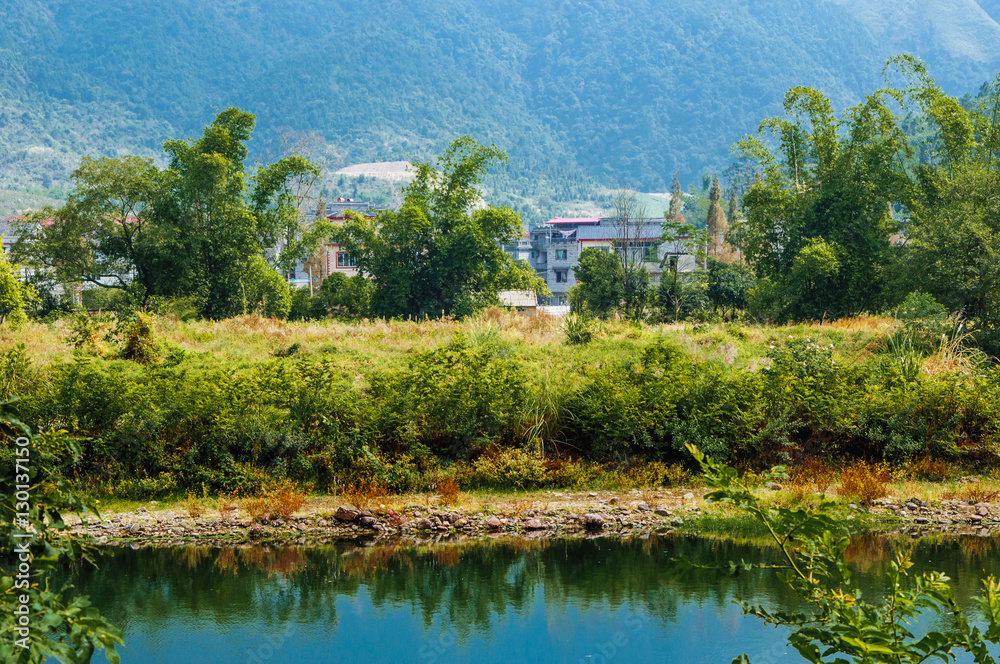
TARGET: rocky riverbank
(551,514)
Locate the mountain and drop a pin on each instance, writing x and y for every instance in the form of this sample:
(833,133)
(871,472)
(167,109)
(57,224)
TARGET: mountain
(579,92)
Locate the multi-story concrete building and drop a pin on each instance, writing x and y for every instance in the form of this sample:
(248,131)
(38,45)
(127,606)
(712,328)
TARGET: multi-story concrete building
(553,248)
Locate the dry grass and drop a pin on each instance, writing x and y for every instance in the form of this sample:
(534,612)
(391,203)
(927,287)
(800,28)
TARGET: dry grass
(362,494)
(864,481)
(193,508)
(651,498)
(926,468)
(281,501)
(864,322)
(287,500)
(813,472)
(258,507)
(517,505)
(448,491)
(358,347)
(971,493)
(953,356)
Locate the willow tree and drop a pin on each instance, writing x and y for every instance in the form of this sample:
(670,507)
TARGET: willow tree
(819,218)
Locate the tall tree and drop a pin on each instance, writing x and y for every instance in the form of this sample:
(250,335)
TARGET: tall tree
(194,228)
(716,224)
(599,289)
(828,186)
(107,234)
(952,248)
(439,254)
(13,295)
(678,293)
(675,212)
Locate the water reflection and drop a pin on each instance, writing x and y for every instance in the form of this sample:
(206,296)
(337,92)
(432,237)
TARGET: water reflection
(507,600)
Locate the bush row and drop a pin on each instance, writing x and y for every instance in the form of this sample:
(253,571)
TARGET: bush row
(179,426)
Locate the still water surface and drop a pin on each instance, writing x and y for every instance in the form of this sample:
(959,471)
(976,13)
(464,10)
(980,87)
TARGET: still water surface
(590,601)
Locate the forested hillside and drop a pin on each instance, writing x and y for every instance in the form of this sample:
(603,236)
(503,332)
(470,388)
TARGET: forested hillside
(578,93)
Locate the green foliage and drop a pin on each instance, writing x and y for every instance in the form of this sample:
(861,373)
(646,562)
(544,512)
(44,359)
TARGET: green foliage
(13,295)
(511,468)
(925,322)
(310,412)
(682,295)
(578,328)
(102,299)
(836,618)
(598,291)
(84,334)
(629,407)
(263,291)
(197,227)
(62,624)
(134,334)
(453,401)
(301,304)
(438,254)
(818,224)
(344,297)
(728,286)
(16,373)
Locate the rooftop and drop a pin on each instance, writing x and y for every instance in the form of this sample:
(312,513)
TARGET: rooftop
(574,220)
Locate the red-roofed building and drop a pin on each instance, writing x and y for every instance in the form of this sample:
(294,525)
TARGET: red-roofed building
(332,258)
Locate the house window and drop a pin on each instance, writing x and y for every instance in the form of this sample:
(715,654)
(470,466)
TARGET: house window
(561,254)
(344,259)
(562,276)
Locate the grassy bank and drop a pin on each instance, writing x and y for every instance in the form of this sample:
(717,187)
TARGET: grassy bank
(499,402)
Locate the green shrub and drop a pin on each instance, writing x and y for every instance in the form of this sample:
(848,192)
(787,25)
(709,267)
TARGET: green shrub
(630,406)
(452,401)
(106,299)
(134,335)
(578,329)
(925,322)
(264,291)
(17,375)
(145,488)
(343,297)
(506,468)
(85,334)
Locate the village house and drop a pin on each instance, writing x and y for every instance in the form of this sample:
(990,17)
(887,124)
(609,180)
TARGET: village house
(332,258)
(7,232)
(553,249)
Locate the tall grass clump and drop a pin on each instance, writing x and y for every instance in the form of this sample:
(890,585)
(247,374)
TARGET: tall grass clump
(865,481)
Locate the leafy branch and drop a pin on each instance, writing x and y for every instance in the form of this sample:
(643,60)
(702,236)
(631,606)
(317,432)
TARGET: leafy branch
(840,623)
